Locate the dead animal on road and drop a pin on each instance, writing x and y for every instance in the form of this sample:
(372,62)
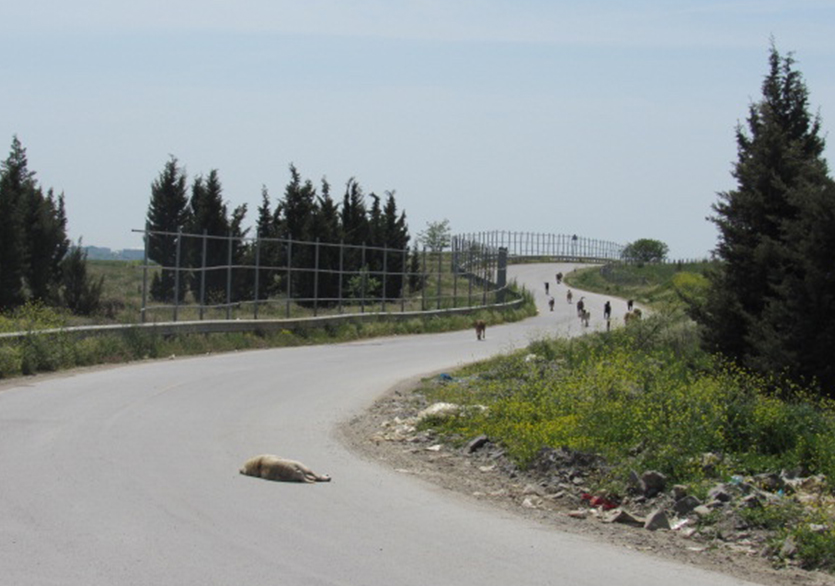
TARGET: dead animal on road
(480,329)
(271,467)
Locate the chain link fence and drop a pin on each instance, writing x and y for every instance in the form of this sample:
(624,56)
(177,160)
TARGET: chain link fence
(227,277)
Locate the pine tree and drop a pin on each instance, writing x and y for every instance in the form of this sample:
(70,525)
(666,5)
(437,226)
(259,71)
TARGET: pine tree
(765,227)
(167,215)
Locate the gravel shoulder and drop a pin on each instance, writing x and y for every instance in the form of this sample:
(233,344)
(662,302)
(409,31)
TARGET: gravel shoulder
(481,476)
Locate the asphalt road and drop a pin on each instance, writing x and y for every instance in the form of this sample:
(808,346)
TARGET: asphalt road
(129,475)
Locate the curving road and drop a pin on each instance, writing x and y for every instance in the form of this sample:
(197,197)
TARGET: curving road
(129,476)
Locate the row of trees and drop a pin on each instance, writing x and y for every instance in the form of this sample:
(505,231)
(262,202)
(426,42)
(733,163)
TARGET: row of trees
(771,300)
(375,239)
(37,262)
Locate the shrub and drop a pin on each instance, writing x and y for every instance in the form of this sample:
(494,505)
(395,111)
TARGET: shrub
(11,361)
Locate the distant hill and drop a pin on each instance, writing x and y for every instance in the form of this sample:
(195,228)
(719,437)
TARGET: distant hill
(103,253)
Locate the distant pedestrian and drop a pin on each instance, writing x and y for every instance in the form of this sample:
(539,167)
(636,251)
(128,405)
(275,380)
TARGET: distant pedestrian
(547,286)
(607,310)
(569,296)
(581,306)
(629,305)
(551,303)
(559,278)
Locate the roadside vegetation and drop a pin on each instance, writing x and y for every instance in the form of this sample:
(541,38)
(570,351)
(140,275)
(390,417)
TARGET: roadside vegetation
(38,352)
(649,397)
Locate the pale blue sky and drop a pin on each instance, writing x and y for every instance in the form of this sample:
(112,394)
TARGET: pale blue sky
(607,119)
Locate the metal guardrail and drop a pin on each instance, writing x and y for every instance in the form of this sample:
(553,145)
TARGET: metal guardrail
(253,325)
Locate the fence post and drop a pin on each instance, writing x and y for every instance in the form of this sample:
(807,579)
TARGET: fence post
(177,273)
(316,278)
(472,274)
(438,288)
(423,281)
(143,311)
(229,278)
(289,275)
(363,280)
(501,276)
(203,276)
(385,278)
(257,275)
(404,271)
(454,268)
(341,271)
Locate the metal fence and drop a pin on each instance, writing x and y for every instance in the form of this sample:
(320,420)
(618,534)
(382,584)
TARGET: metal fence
(519,245)
(228,277)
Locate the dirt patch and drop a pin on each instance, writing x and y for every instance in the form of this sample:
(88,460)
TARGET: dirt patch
(382,434)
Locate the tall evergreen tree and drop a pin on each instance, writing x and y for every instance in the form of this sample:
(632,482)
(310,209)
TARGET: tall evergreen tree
(354,214)
(765,225)
(167,214)
(328,231)
(208,215)
(269,248)
(15,179)
(242,256)
(47,244)
(354,217)
(81,293)
(33,237)
(297,209)
(396,238)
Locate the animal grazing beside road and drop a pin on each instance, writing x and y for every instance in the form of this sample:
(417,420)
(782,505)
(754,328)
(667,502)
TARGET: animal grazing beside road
(633,315)
(480,329)
(271,467)
(585,316)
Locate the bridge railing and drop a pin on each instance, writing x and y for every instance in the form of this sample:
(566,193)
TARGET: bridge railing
(520,245)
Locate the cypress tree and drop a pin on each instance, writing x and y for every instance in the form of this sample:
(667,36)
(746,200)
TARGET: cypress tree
(327,229)
(15,180)
(47,244)
(396,238)
(33,234)
(297,209)
(207,213)
(765,230)
(355,230)
(167,214)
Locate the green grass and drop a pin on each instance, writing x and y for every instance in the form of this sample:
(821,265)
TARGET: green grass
(647,397)
(653,284)
(52,352)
